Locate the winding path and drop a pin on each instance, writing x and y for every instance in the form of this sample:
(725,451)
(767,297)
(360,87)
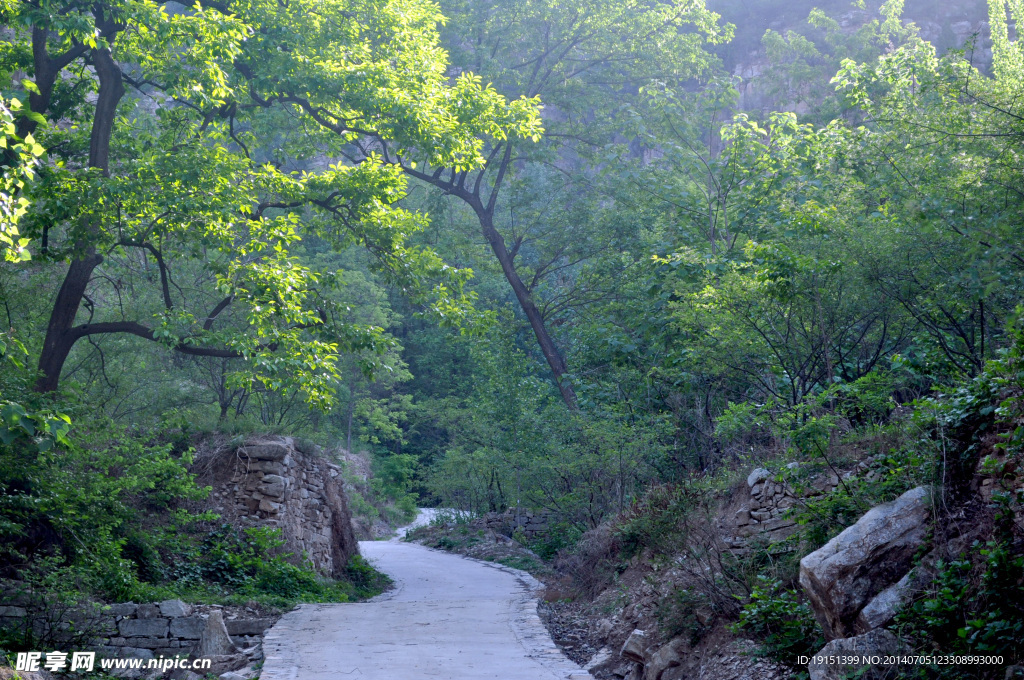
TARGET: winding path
(447,617)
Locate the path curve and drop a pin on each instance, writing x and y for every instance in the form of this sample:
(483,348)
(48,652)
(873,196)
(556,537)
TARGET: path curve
(448,617)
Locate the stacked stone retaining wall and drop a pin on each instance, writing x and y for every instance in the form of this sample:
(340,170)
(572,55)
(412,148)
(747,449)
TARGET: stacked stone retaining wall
(169,628)
(512,521)
(282,482)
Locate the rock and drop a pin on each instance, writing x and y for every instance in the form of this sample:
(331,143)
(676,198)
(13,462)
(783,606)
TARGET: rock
(10,674)
(267,449)
(271,467)
(268,506)
(123,609)
(147,611)
(623,669)
(865,559)
(189,627)
(758,475)
(13,612)
(663,659)
(138,652)
(777,523)
(273,485)
(248,626)
(884,606)
(602,657)
(604,629)
(877,642)
(174,608)
(215,640)
(152,628)
(635,646)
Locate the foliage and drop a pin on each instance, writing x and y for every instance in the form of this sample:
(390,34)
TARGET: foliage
(656,521)
(781,621)
(251,563)
(684,612)
(80,500)
(973,606)
(283,199)
(194,192)
(19,155)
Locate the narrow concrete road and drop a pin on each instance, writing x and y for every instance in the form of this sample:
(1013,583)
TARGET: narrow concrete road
(448,617)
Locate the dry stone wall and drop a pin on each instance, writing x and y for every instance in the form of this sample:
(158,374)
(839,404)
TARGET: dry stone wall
(169,629)
(283,482)
(512,521)
(764,513)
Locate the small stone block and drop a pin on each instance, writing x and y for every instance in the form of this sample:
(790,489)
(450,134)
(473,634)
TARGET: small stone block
(147,611)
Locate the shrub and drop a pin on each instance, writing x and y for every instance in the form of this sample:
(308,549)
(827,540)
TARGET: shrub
(685,612)
(972,607)
(781,622)
(657,520)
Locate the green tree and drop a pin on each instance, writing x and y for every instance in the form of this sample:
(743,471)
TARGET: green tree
(185,176)
(527,201)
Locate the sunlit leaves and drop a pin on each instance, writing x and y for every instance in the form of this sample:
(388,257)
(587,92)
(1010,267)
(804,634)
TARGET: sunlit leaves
(18,158)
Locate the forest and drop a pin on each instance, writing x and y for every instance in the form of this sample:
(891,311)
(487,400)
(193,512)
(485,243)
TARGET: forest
(596,259)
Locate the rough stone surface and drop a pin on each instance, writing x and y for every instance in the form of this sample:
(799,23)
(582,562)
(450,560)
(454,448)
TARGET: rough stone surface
(668,656)
(122,609)
(883,607)
(215,640)
(142,628)
(244,674)
(224,663)
(174,608)
(877,642)
(188,627)
(513,521)
(842,577)
(635,646)
(11,674)
(269,481)
(758,475)
(148,611)
(603,656)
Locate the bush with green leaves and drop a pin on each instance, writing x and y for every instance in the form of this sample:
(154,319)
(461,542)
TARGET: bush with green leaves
(823,516)
(81,500)
(656,521)
(252,563)
(973,606)
(781,622)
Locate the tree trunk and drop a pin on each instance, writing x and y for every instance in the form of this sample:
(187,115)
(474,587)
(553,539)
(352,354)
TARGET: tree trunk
(547,345)
(59,338)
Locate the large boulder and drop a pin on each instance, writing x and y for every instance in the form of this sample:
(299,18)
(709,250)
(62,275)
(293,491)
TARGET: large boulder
(865,561)
(877,643)
(635,647)
(668,656)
